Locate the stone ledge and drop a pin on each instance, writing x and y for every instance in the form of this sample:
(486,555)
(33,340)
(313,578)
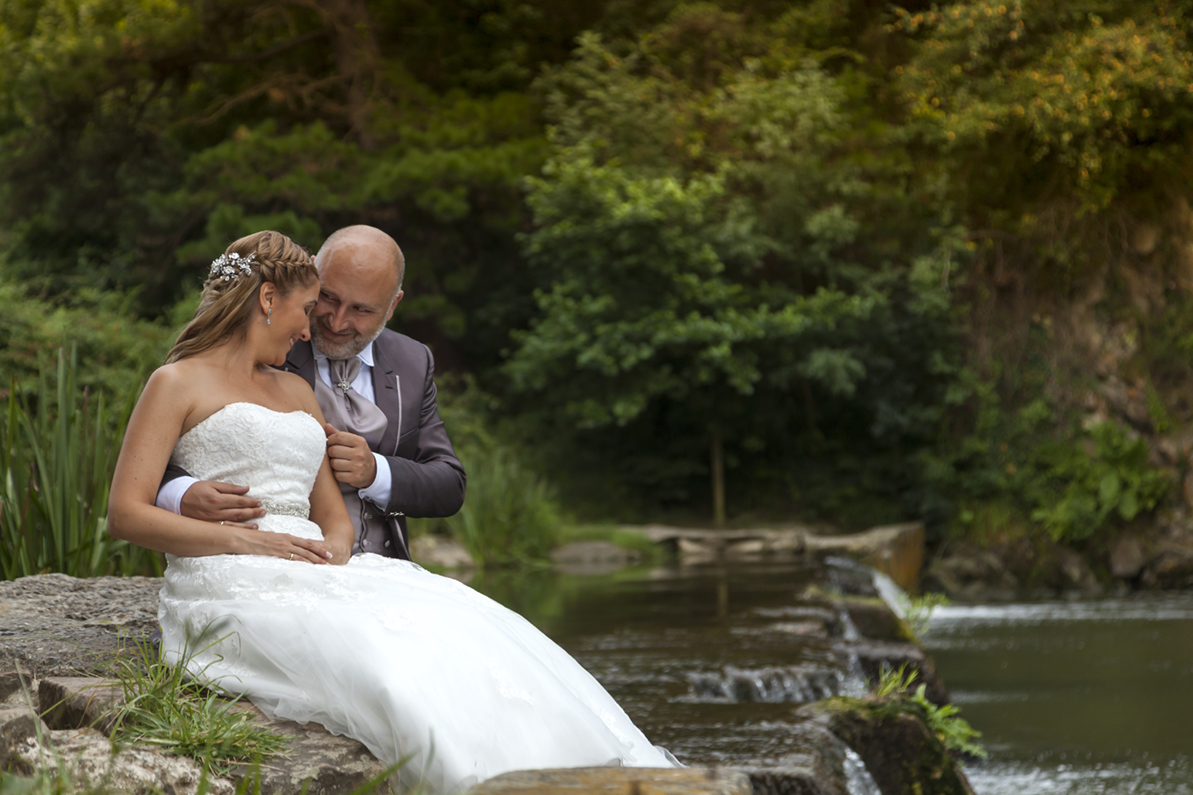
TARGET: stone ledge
(618,781)
(709,546)
(90,760)
(900,752)
(19,728)
(56,625)
(79,702)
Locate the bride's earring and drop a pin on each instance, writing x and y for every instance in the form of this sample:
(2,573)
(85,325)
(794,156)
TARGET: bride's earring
(267,315)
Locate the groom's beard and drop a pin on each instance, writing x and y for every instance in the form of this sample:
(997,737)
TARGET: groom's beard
(344,348)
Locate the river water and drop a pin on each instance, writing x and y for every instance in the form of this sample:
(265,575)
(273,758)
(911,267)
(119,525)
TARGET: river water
(1080,698)
(1088,697)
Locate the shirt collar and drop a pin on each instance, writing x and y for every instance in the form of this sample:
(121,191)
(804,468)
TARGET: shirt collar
(365,356)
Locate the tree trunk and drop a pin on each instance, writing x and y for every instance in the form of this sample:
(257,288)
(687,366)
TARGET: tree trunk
(718,479)
(358,60)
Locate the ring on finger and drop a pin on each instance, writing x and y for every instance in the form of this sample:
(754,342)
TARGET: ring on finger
(291,556)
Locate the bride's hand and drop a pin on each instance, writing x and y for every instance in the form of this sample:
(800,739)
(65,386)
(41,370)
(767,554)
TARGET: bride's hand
(339,556)
(287,547)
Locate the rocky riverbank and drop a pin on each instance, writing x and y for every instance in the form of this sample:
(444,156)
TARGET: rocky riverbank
(1009,567)
(59,635)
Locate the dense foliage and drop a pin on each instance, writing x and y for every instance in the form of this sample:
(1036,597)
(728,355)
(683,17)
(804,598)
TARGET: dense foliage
(808,253)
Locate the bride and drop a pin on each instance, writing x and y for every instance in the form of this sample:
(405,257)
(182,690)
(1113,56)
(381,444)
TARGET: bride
(413,665)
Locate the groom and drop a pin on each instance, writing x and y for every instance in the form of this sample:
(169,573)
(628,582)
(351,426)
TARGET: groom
(385,441)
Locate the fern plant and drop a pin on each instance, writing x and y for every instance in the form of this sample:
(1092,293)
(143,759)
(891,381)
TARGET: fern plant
(944,721)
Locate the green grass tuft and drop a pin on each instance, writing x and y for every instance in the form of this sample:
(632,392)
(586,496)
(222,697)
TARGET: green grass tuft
(165,708)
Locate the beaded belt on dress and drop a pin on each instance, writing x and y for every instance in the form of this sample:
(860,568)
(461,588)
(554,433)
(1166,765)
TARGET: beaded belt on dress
(291,509)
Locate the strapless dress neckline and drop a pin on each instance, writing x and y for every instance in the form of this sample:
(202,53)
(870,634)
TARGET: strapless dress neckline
(236,405)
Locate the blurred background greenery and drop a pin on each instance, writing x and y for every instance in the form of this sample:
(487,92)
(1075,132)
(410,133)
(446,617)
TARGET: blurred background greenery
(714,262)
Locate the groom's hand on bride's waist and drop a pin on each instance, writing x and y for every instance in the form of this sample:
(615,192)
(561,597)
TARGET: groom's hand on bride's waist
(213,501)
(352,461)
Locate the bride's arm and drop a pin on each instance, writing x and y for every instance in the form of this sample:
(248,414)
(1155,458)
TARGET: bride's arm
(153,430)
(327,504)
(328,511)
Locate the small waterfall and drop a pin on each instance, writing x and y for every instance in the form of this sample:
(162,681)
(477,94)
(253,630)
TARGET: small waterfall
(854,683)
(858,780)
(892,594)
(895,597)
(816,760)
(848,628)
(797,684)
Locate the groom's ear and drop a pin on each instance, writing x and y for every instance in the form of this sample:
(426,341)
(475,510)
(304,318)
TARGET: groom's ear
(394,305)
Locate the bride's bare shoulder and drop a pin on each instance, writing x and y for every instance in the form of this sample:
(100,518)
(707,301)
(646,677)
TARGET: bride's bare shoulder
(292,384)
(183,384)
(166,401)
(170,377)
(297,390)
(174,377)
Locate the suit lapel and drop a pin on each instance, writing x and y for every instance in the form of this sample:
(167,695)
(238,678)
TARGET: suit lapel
(389,400)
(301,360)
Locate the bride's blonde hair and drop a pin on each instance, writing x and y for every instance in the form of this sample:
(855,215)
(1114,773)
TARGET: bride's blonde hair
(230,294)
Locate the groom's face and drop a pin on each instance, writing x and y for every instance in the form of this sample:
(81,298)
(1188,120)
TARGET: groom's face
(355,289)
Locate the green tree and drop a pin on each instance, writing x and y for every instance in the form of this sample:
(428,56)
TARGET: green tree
(698,239)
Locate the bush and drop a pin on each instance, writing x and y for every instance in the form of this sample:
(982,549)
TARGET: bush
(116,348)
(1114,482)
(1038,467)
(510,514)
(165,708)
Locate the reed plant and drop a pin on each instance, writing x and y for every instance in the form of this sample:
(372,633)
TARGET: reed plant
(58,449)
(510,513)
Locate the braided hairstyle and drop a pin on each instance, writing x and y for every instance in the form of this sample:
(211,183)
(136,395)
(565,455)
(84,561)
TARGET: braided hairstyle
(227,304)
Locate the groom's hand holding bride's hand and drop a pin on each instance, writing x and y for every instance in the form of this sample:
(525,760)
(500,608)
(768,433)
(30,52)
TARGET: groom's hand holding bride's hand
(351,459)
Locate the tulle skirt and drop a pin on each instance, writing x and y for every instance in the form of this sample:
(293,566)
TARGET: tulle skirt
(412,664)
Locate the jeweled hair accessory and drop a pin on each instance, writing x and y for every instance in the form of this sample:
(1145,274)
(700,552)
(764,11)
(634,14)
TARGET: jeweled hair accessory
(229,266)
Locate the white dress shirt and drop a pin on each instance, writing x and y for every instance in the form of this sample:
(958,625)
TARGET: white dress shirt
(170,496)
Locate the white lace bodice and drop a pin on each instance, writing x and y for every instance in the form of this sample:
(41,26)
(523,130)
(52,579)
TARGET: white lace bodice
(277,455)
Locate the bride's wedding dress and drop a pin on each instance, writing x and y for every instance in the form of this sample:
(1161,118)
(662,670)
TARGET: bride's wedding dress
(410,663)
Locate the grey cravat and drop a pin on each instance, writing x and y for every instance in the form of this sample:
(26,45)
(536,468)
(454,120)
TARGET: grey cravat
(358,415)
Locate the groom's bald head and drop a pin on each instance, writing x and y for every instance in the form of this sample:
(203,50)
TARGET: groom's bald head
(378,248)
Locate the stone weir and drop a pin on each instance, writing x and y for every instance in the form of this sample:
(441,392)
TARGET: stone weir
(59,636)
(895,550)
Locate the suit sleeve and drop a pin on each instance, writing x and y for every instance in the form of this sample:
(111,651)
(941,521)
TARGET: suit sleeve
(431,483)
(173,472)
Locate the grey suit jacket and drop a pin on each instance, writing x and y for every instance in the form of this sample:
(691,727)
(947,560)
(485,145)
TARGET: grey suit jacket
(427,477)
